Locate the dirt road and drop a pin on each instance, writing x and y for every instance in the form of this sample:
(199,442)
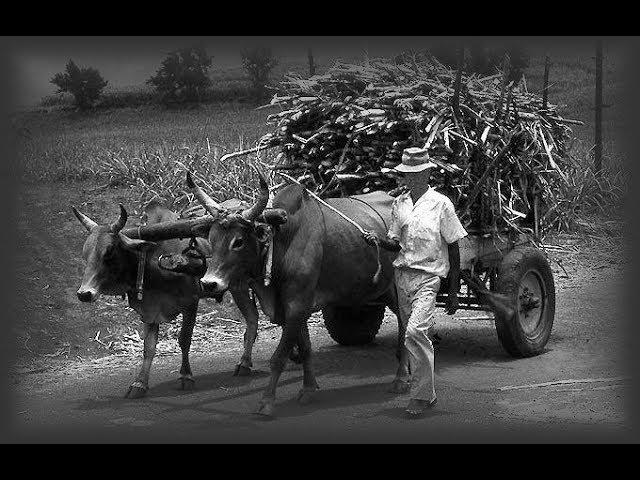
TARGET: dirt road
(76,394)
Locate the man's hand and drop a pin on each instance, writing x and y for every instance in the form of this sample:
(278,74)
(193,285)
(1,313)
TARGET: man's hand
(452,303)
(370,237)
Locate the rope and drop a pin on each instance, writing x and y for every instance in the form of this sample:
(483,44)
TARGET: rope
(142,257)
(376,276)
(376,212)
(322,202)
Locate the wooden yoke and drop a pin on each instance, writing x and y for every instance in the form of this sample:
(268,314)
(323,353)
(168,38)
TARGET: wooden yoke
(194,227)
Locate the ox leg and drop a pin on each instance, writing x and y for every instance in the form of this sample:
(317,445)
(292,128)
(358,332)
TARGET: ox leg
(295,317)
(247,306)
(309,383)
(184,340)
(141,385)
(401,383)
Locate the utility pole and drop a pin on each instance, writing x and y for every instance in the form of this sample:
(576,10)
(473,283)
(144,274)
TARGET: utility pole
(506,65)
(458,82)
(598,139)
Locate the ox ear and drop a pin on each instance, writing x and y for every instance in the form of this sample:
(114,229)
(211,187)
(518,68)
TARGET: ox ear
(262,231)
(134,243)
(273,216)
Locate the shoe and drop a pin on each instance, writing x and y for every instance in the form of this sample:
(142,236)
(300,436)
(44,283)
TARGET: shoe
(417,408)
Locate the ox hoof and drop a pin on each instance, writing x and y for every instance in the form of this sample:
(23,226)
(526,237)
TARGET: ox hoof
(187,383)
(242,371)
(306,395)
(136,390)
(400,386)
(265,408)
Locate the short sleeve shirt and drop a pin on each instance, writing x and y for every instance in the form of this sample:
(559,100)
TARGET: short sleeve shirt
(424,231)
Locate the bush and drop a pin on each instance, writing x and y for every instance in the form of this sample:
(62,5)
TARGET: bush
(258,62)
(183,75)
(85,84)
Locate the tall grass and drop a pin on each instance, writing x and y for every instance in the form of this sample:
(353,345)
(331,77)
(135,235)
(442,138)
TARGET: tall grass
(68,145)
(161,175)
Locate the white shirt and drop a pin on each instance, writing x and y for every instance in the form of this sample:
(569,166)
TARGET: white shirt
(424,231)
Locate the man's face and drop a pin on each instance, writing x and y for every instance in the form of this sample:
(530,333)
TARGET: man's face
(416,180)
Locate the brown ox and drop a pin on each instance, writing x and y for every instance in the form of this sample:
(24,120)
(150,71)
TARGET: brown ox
(319,260)
(111,269)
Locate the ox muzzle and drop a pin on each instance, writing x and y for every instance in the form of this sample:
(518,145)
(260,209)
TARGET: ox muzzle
(87,294)
(213,285)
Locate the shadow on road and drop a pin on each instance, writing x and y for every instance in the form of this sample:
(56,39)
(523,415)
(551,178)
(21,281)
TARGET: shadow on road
(326,399)
(207,382)
(374,364)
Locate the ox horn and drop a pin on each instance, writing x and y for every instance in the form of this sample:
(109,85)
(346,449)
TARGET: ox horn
(207,202)
(119,225)
(84,220)
(252,212)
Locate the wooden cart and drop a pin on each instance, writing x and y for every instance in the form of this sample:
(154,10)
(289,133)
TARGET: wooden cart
(513,267)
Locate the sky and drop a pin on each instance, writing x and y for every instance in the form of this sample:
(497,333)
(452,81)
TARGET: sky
(129,61)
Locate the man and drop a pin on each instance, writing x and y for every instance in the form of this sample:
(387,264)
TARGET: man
(425,231)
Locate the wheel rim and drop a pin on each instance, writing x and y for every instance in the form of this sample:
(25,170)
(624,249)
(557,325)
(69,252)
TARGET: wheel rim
(531,302)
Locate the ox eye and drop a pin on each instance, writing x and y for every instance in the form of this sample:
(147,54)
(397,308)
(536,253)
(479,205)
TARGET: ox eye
(237,243)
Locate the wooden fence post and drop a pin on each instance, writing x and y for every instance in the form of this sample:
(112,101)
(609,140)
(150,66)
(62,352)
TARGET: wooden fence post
(545,89)
(312,65)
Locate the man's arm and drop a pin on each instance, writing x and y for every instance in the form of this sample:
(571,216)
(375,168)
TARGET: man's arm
(454,278)
(452,231)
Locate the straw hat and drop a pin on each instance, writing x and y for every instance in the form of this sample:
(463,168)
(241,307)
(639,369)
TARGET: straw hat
(414,159)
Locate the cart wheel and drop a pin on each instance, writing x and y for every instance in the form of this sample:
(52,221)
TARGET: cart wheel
(526,278)
(353,326)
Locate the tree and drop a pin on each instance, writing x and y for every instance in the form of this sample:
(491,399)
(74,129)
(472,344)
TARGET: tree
(485,60)
(183,75)
(258,62)
(85,84)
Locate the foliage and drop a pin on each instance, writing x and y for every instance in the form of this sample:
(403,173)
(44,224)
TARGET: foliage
(65,146)
(485,60)
(85,84)
(183,75)
(259,62)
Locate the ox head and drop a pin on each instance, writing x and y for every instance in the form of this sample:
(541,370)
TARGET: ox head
(107,253)
(236,238)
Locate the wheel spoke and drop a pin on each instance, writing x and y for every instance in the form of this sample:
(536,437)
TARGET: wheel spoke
(530,303)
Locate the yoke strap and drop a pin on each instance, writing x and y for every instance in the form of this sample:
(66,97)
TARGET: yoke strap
(269,263)
(142,260)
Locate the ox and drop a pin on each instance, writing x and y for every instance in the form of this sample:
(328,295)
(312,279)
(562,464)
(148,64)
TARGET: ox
(319,260)
(111,268)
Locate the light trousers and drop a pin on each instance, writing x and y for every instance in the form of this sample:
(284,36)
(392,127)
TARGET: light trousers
(417,304)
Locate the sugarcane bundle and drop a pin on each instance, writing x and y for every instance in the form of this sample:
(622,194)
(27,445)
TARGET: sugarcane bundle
(500,149)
